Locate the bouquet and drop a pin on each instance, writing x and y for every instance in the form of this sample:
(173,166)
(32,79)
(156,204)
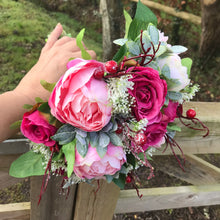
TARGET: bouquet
(104,120)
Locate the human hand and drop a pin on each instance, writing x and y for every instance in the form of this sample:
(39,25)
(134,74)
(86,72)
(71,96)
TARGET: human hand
(51,65)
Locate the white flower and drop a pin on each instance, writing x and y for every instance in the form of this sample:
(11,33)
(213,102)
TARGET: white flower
(177,71)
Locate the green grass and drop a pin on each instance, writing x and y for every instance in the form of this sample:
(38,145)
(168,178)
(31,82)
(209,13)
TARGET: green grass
(23,29)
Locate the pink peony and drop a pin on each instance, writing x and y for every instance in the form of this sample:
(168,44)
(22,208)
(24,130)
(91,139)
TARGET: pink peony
(36,128)
(149,92)
(79,99)
(92,166)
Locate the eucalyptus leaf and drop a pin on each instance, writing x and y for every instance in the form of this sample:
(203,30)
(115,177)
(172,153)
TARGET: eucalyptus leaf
(161,51)
(175,96)
(154,34)
(81,139)
(115,139)
(108,127)
(28,164)
(69,151)
(166,71)
(82,149)
(81,132)
(109,178)
(65,134)
(146,40)
(94,139)
(178,49)
(104,140)
(101,150)
(133,48)
(85,55)
(120,41)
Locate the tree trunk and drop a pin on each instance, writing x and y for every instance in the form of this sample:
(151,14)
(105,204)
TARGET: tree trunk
(112,20)
(210,40)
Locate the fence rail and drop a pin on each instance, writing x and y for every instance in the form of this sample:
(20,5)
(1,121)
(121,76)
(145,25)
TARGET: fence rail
(172,11)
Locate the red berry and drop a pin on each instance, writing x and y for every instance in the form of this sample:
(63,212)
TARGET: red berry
(191,113)
(140,139)
(111,66)
(128,179)
(119,129)
(99,73)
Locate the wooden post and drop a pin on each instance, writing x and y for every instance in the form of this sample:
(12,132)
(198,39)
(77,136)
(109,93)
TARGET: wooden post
(96,201)
(84,202)
(54,204)
(112,17)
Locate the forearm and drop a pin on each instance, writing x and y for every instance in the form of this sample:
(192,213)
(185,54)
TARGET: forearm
(11,111)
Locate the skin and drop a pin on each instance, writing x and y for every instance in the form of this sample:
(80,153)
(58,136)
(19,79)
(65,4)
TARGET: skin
(50,67)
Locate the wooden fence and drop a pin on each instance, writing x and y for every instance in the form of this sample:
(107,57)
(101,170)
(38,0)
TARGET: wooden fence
(204,177)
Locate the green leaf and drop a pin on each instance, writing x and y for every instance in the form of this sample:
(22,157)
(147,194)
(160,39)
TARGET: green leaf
(144,14)
(120,54)
(79,38)
(16,125)
(131,160)
(187,62)
(38,100)
(48,86)
(27,106)
(120,182)
(69,151)
(45,108)
(135,29)
(128,21)
(173,127)
(28,164)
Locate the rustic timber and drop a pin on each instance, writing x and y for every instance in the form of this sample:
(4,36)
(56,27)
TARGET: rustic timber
(167,198)
(112,22)
(196,170)
(184,15)
(15,211)
(95,202)
(55,204)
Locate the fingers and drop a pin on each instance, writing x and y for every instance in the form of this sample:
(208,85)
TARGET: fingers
(55,34)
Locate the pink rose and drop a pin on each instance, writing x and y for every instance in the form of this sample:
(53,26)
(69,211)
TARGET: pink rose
(155,135)
(92,166)
(36,128)
(79,99)
(149,92)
